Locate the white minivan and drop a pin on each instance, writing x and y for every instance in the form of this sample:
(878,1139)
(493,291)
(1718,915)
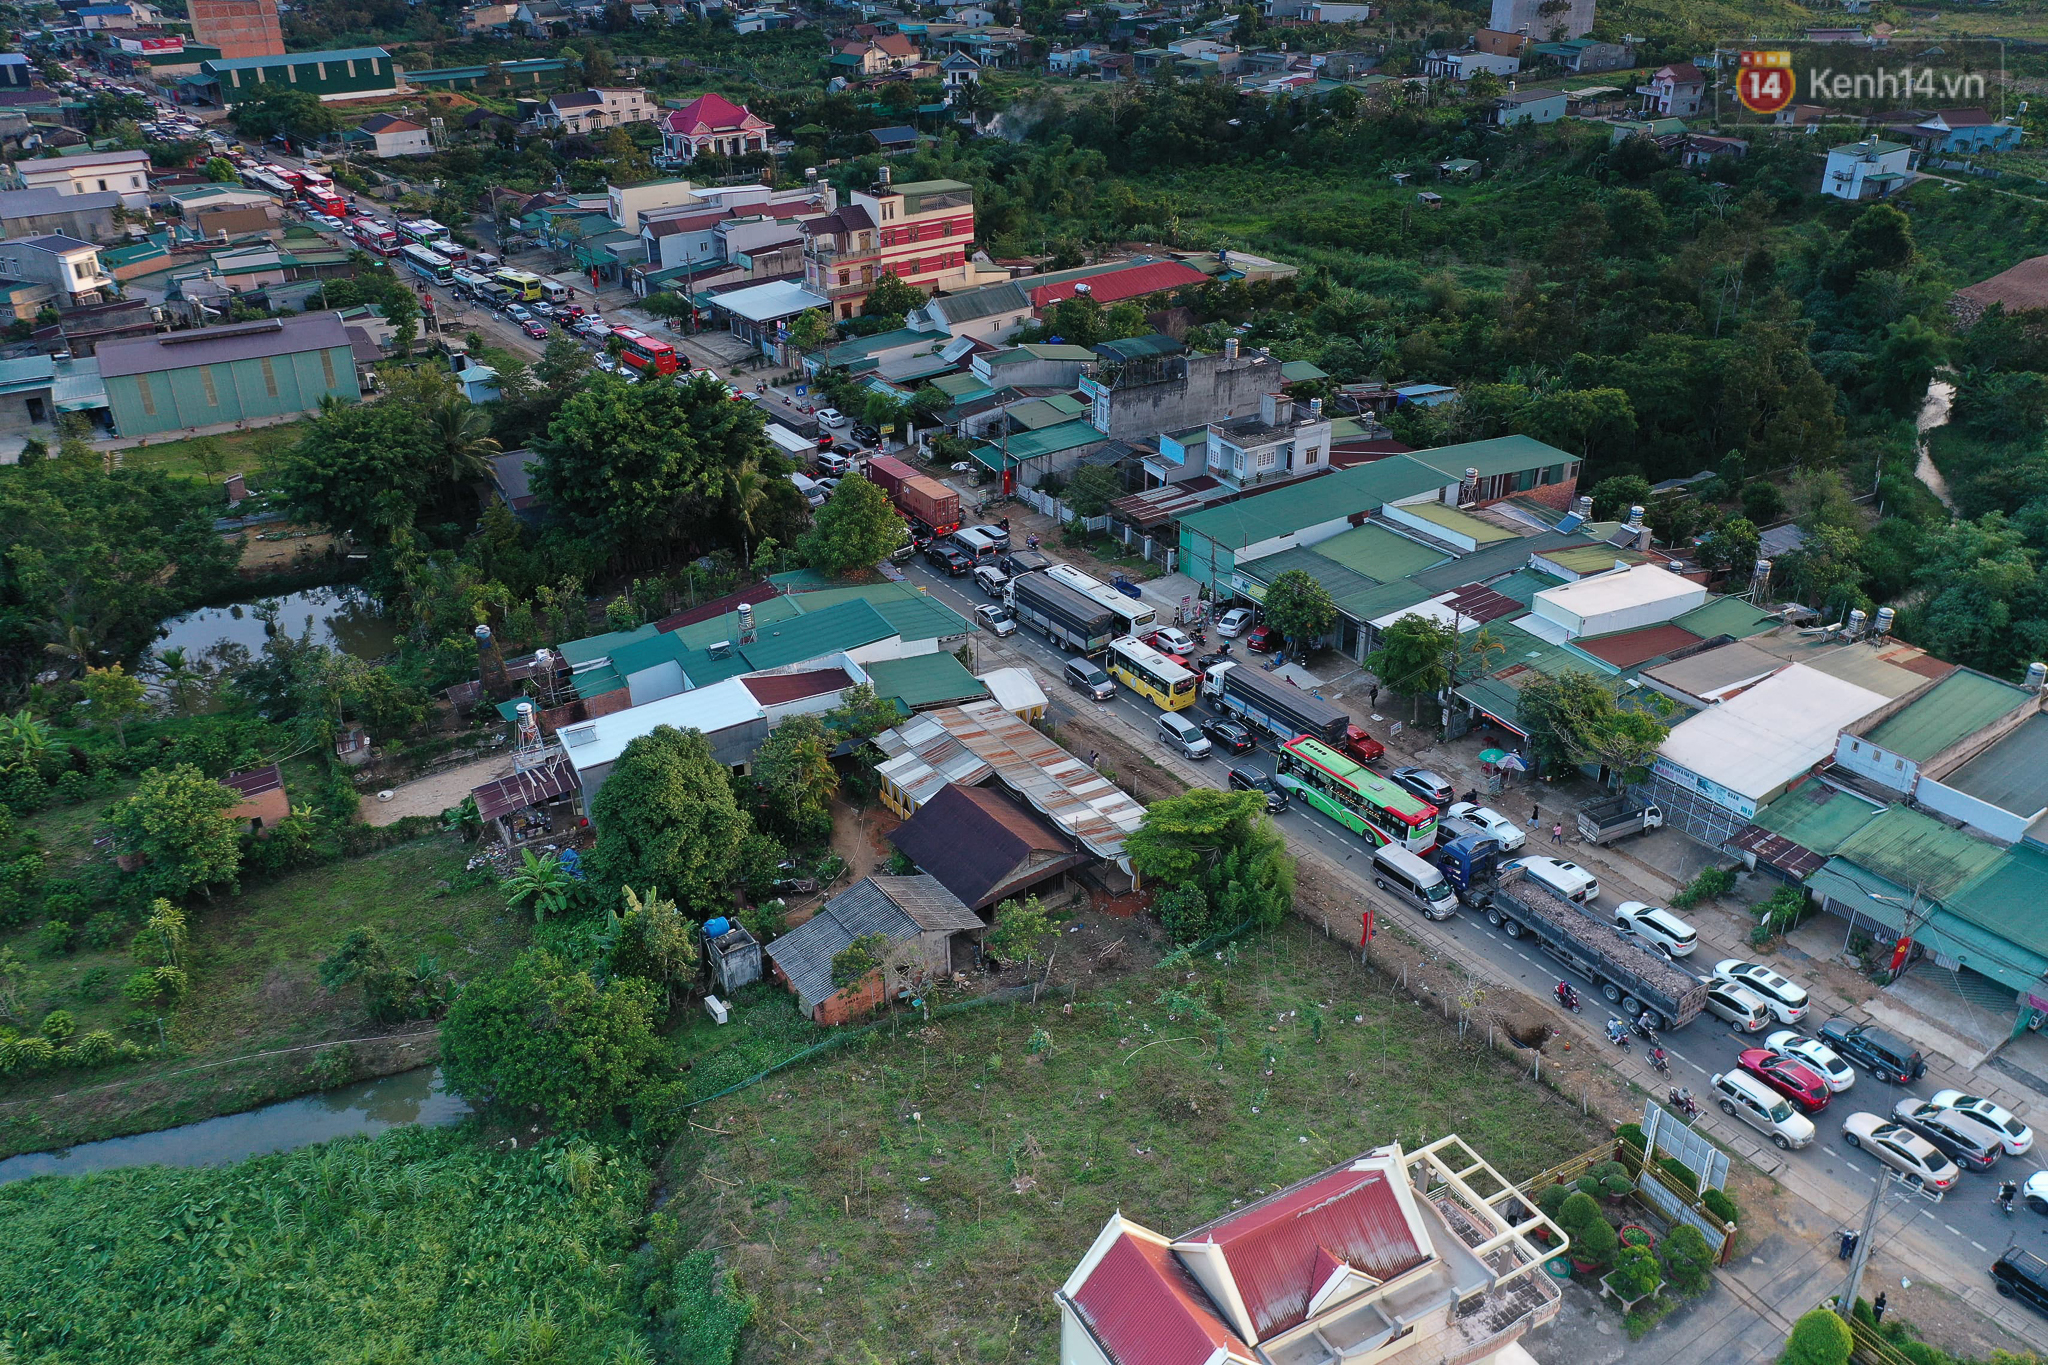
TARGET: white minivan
(1396,869)
(1743,1096)
(1562,878)
(1178,732)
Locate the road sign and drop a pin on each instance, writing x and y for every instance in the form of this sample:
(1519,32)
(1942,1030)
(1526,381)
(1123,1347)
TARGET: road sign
(802,389)
(1666,1133)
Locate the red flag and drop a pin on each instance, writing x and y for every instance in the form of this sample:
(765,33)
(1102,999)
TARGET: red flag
(1365,928)
(1899,951)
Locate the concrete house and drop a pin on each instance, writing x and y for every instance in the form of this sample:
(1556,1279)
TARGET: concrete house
(68,268)
(930,935)
(1959,132)
(713,124)
(1675,91)
(586,111)
(388,135)
(227,374)
(122,173)
(30,213)
(1870,169)
(1529,106)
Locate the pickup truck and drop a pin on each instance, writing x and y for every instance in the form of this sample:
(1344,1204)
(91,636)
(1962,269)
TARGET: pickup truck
(1605,821)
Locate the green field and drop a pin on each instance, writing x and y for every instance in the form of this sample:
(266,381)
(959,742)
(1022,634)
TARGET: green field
(926,1191)
(242,452)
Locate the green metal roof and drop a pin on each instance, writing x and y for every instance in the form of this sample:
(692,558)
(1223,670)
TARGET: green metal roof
(1501,455)
(704,634)
(1370,606)
(961,387)
(1139,348)
(1048,350)
(1345,586)
(1492,561)
(1379,554)
(1358,489)
(1296,371)
(860,348)
(575,652)
(925,680)
(1522,659)
(649,653)
(1989,951)
(1035,414)
(847,625)
(595,682)
(915,615)
(1523,585)
(1030,445)
(1914,850)
(1953,709)
(1726,616)
(1451,519)
(1817,817)
(2008,899)
(1591,559)
(2013,773)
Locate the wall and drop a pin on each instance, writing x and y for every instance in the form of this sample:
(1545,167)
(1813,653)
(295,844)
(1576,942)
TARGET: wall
(181,400)
(1881,766)
(1212,389)
(2000,824)
(88,225)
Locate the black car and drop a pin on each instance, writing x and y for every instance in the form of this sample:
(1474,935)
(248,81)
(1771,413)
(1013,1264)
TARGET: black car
(948,558)
(866,434)
(1885,1057)
(2020,1274)
(1228,735)
(1252,780)
(1951,1139)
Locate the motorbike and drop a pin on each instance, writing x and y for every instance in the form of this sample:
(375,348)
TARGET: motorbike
(1683,1101)
(1567,997)
(1644,1032)
(1657,1060)
(2006,1192)
(1617,1032)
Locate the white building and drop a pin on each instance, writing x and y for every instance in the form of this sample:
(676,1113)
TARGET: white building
(1870,169)
(122,173)
(1541,21)
(69,268)
(588,111)
(1625,599)
(389,135)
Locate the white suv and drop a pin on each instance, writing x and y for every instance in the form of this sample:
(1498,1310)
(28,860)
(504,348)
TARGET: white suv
(1568,880)
(1657,927)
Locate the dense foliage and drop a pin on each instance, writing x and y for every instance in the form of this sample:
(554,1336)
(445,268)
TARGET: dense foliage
(666,819)
(1224,844)
(423,1245)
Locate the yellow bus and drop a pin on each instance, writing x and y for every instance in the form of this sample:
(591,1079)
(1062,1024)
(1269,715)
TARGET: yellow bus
(524,284)
(1150,674)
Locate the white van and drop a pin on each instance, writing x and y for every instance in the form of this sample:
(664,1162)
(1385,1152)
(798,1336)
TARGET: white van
(1743,1096)
(1178,732)
(1561,878)
(484,260)
(977,542)
(1396,869)
(554,292)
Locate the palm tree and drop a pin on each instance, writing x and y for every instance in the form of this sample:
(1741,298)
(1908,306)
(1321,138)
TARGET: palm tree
(461,432)
(69,642)
(746,492)
(178,675)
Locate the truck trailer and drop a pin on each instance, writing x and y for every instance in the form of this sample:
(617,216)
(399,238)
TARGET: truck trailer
(1059,613)
(1628,975)
(1278,708)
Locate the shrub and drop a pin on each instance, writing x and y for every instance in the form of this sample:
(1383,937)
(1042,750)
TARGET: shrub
(101,930)
(1711,884)
(1636,1273)
(331,1066)
(54,938)
(1593,1239)
(1679,1171)
(94,1049)
(1184,913)
(1632,1134)
(1818,1338)
(1607,1178)
(96,985)
(25,1056)
(73,787)
(58,1026)
(1552,1199)
(1721,1206)
(1688,1260)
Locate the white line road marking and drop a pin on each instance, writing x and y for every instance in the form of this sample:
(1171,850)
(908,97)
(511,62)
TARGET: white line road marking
(1952,1229)
(1980,1246)
(1852,1165)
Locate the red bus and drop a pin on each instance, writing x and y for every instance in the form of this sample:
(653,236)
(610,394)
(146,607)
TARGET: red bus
(375,236)
(644,352)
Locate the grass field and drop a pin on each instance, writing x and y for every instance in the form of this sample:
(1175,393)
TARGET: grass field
(242,452)
(920,1195)
(254,965)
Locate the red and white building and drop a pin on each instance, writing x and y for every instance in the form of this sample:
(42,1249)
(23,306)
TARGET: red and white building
(715,125)
(1396,1258)
(921,232)
(1675,91)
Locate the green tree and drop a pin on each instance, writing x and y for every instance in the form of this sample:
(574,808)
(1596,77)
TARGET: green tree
(655,941)
(1019,928)
(810,329)
(856,529)
(177,822)
(1223,842)
(861,713)
(1636,221)
(859,960)
(666,820)
(1688,1260)
(162,939)
(1589,421)
(891,297)
(1733,545)
(1415,657)
(222,171)
(1593,1239)
(366,468)
(563,366)
(113,697)
(1091,489)
(1818,1338)
(1614,496)
(1826,571)
(1573,719)
(544,1034)
(297,114)
(794,775)
(463,445)
(1300,607)
(543,881)
(1881,238)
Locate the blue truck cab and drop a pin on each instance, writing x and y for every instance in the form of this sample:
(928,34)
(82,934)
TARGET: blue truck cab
(1469,864)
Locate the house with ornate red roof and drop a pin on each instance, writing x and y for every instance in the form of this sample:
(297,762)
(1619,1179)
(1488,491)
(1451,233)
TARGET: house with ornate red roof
(713,124)
(1395,1258)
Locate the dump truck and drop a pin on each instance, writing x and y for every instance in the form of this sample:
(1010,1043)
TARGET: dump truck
(1605,821)
(1060,614)
(1280,709)
(1631,977)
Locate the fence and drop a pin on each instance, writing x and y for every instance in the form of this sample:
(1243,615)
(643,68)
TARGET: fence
(1654,1186)
(1046,505)
(1870,1346)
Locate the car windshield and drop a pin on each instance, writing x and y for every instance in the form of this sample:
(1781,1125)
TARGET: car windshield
(1441,891)
(1780,1112)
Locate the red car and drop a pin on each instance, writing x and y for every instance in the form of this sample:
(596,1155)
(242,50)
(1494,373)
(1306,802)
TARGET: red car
(1262,640)
(1789,1076)
(537,330)
(1362,746)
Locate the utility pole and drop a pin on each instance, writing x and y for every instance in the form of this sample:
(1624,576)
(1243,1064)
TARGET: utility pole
(1846,1307)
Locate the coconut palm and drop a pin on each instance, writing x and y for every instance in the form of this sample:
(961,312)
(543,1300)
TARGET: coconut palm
(462,440)
(70,642)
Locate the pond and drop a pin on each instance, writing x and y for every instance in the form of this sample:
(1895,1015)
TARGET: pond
(344,618)
(416,1096)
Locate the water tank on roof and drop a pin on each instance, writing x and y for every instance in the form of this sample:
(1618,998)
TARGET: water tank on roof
(716,928)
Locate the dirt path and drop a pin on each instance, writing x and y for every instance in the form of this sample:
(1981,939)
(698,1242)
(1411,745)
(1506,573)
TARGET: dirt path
(435,793)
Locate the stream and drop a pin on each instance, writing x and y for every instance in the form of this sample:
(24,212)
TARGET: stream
(416,1096)
(1934,409)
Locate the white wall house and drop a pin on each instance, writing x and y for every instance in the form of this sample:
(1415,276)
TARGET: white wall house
(1870,169)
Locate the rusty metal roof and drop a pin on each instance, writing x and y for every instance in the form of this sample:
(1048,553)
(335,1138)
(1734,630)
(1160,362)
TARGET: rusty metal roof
(523,789)
(968,743)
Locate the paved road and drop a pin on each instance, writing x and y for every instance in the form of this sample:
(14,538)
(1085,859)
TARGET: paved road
(1964,1232)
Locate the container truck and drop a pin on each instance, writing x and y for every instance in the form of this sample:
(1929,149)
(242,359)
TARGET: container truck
(1605,821)
(1628,975)
(798,448)
(1059,613)
(888,473)
(928,501)
(1280,709)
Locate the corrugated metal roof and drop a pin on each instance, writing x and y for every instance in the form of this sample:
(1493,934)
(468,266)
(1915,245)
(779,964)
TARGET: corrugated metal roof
(1354,1216)
(1145,1309)
(220,345)
(1501,455)
(964,743)
(848,625)
(1627,648)
(1817,816)
(1492,561)
(1460,523)
(591,647)
(805,953)
(1726,616)
(1378,553)
(921,680)
(773,689)
(1988,951)
(521,790)
(1916,850)
(2013,773)
(1030,445)
(1313,501)
(1953,709)
(2008,899)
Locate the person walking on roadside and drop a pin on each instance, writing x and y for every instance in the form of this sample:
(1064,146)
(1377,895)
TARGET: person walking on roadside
(1557,834)
(1877,1308)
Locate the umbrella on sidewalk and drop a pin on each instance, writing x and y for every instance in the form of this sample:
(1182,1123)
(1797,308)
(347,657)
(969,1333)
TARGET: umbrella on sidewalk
(1492,755)
(1513,763)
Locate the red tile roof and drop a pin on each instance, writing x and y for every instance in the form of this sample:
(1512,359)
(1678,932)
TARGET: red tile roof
(1630,647)
(777,688)
(1117,285)
(711,114)
(1146,1310)
(1272,1248)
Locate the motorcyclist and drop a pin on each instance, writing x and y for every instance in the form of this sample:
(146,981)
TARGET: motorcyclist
(1566,996)
(2006,1193)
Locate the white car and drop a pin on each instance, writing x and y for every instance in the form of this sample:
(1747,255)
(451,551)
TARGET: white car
(1507,832)
(2018,1137)
(832,417)
(1656,926)
(1822,1058)
(605,363)
(1173,640)
(1901,1149)
(519,312)
(996,619)
(1788,1003)
(1564,879)
(1235,622)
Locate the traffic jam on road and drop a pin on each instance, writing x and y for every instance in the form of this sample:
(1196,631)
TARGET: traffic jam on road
(1435,852)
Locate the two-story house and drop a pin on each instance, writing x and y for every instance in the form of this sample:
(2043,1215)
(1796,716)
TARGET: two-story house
(1870,169)
(919,232)
(588,111)
(715,125)
(1675,91)
(873,56)
(122,173)
(1274,444)
(68,268)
